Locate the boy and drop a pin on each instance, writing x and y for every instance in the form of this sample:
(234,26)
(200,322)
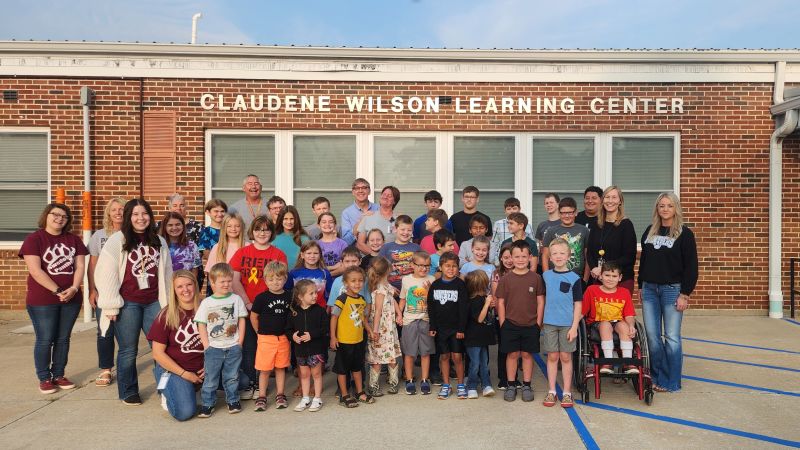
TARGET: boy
(575,236)
(591,207)
(433,200)
(400,252)
(347,337)
(470,197)
(478,226)
(520,304)
(562,313)
(551,208)
(448,311)
(269,316)
(444,241)
(437,220)
(501,232)
(608,307)
(275,204)
(320,205)
(416,340)
(516,225)
(225,313)
(350,258)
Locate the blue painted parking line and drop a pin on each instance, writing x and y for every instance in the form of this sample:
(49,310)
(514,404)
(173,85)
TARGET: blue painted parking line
(693,424)
(580,427)
(743,386)
(730,344)
(731,361)
(792,321)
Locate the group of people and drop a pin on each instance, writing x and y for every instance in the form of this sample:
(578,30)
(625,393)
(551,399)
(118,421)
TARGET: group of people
(378,289)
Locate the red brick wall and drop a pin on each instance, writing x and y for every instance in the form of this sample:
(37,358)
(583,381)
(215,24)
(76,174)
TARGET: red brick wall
(791,211)
(724,149)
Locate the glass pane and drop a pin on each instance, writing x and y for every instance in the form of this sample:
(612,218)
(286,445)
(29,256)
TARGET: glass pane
(408,163)
(233,157)
(485,162)
(339,201)
(643,163)
(639,208)
(324,162)
(539,214)
(491,203)
(411,204)
(24,157)
(562,164)
(229,197)
(27,206)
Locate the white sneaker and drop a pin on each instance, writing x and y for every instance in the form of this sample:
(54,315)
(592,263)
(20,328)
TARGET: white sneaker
(488,391)
(164,402)
(472,393)
(249,393)
(302,405)
(316,404)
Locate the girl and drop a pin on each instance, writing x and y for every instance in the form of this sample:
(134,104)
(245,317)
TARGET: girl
(215,210)
(229,242)
(308,329)
(332,246)
(384,348)
(614,239)
(375,241)
(480,255)
(310,267)
(289,234)
(479,334)
(504,266)
(184,253)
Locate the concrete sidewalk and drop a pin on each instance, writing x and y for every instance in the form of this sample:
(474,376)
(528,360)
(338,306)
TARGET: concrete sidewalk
(723,404)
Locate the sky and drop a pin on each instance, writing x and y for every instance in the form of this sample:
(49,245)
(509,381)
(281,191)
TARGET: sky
(552,24)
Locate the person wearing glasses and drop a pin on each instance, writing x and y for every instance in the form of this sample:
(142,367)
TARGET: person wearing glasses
(252,205)
(574,235)
(351,215)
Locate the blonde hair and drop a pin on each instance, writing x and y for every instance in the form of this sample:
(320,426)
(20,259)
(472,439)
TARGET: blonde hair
(173,313)
(108,225)
(378,271)
(275,268)
(301,262)
(222,244)
(220,269)
(601,217)
(560,241)
(677,222)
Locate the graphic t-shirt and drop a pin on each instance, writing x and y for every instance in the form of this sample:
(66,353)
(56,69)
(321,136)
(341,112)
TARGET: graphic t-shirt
(332,251)
(600,306)
(575,236)
(322,280)
(142,263)
(273,311)
(183,345)
(208,238)
(543,226)
(520,292)
(221,316)
(448,305)
(250,262)
(350,326)
(337,289)
(531,245)
(562,289)
(185,257)
(400,257)
(414,292)
(97,241)
(57,255)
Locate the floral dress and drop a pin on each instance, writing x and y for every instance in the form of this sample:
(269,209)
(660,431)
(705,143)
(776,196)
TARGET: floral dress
(387,348)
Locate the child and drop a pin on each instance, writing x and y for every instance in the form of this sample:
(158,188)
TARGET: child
(289,235)
(183,252)
(478,225)
(501,231)
(320,205)
(470,196)
(416,339)
(350,258)
(385,347)
(480,333)
(551,208)
(229,242)
(347,337)
(480,255)
(504,266)
(215,210)
(608,307)
(269,316)
(562,313)
(516,225)
(399,253)
(375,241)
(310,267)
(574,235)
(308,328)
(220,322)
(437,220)
(448,307)
(444,241)
(520,303)
(331,246)
(433,200)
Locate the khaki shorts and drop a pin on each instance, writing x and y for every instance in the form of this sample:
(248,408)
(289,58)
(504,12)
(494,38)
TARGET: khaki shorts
(554,339)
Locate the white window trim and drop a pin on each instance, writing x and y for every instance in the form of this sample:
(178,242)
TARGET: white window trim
(14,245)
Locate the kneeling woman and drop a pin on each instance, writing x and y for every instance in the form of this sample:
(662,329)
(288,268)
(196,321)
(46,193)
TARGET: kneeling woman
(177,349)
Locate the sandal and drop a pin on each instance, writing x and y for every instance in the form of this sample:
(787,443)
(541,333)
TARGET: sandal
(348,401)
(281,402)
(363,397)
(261,404)
(658,388)
(297,393)
(104,379)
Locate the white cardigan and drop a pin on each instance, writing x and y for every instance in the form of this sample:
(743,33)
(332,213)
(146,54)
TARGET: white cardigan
(110,271)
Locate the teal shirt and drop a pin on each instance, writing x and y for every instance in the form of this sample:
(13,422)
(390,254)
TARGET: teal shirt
(285,242)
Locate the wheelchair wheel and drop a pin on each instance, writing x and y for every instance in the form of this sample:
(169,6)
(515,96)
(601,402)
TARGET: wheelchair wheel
(581,360)
(648,397)
(641,336)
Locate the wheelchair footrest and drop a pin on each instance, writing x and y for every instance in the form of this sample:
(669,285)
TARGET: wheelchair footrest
(618,361)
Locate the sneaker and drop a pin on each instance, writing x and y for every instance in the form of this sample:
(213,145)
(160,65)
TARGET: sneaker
(164,403)
(281,402)
(316,404)
(607,369)
(248,393)
(206,412)
(631,370)
(444,392)
(472,393)
(511,393)
(567,401)
(304,402)
(488,391)
(549,399)
(47,387)
(436,380)
(461,391)
(63,383)
(261,404)
(411,388)
(502,386)
(527,394)
(234,408)
(132,400)
(425,387)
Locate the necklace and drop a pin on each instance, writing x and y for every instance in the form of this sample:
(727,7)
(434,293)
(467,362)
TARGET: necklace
(603,236)
(253,213)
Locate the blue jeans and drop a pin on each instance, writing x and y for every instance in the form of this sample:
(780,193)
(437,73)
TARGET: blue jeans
(105,344)
(180,395)
(478,367)
(221,363)
(132,317)
(666,354)
(52,325)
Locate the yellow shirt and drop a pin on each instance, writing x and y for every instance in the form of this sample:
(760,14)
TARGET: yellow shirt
(350,326)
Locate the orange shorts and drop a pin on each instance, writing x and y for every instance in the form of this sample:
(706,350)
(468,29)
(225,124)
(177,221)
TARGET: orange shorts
(272,352)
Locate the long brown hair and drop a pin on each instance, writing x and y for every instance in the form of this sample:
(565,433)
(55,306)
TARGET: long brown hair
(47,209)
(169,215)
(301,262)
(297,231)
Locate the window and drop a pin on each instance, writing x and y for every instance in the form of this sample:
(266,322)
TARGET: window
(235,156)
(486,162)
(323,166)
(642,167)
(563,166)
(408,163)
(23,182)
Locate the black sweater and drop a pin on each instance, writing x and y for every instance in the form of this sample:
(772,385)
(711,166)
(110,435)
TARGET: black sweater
(315,321)
(448,305)
(667,261)
(619,243)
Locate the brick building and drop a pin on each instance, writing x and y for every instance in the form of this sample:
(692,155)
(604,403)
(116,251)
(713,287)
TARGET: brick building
(196,118)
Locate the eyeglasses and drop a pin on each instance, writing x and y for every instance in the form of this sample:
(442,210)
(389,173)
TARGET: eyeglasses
(58,216)
(361,188)
(567,213)
(261,230)
(426,266)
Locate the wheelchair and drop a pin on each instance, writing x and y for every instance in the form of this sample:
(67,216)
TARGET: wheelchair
(588,359)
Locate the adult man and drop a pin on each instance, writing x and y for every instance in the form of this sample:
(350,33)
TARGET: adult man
(470,196)
(351,215)
(275,205)
(591,207)
(252,205)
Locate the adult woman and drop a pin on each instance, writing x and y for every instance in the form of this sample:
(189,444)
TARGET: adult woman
(112,222)
(383,219)
(55,259)
(183,252)
(177,349)
(613,239)
(134,279)
(668,274)
(289,234)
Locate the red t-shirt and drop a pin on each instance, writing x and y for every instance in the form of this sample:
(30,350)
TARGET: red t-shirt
(183,345)
(57,255)
(142,260)
(250,263)
(600,306)
(429,246)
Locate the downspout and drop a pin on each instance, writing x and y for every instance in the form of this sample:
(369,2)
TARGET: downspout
(86,222)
